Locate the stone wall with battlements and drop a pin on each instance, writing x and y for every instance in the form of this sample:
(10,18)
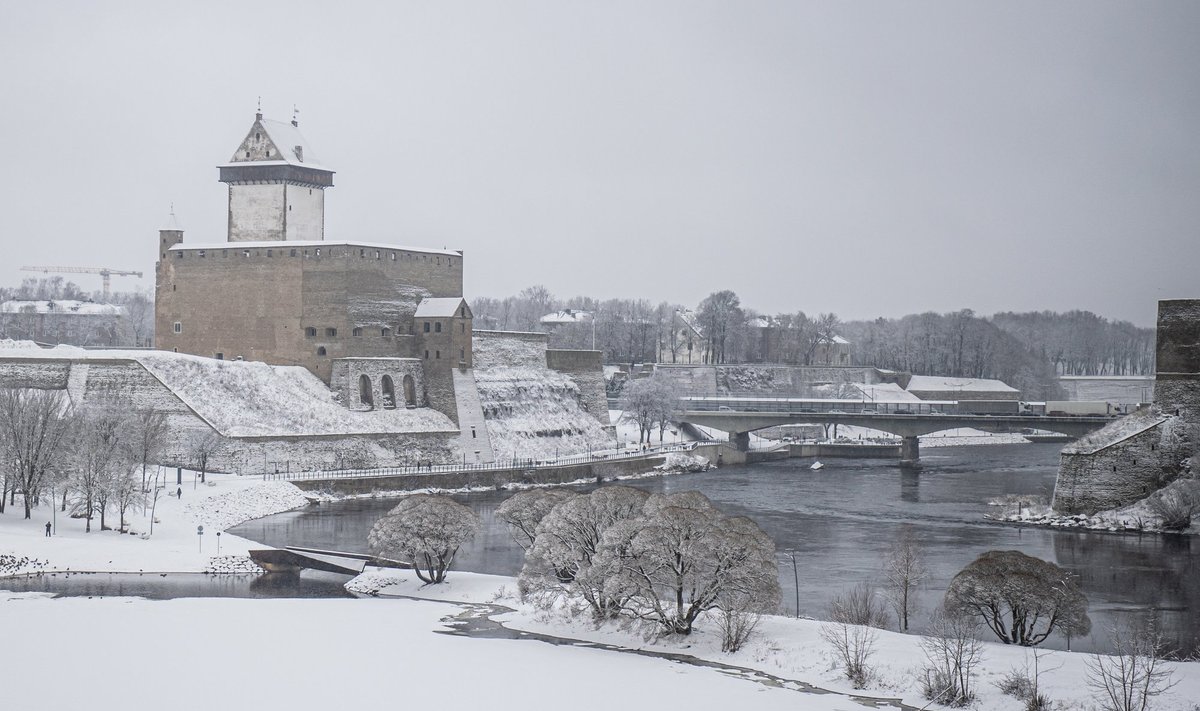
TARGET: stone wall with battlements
(296,305)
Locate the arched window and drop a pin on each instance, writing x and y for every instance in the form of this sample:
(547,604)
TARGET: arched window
(321,350)
(389,392)
(365,396)
(410,391)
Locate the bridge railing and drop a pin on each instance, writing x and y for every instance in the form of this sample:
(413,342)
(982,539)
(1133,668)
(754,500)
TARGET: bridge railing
(508,464)
(807,406)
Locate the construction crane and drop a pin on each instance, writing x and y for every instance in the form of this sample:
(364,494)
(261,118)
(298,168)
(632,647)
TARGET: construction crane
(104,272)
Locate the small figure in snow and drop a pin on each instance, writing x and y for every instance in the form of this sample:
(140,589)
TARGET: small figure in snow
(179,492)
(47,529)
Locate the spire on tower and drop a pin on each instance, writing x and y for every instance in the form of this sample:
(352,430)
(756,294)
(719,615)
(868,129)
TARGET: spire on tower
(295,116)
(173,222)
(258,111)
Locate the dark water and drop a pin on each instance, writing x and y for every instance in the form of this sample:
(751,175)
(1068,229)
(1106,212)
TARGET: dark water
(841,519)
(157,586)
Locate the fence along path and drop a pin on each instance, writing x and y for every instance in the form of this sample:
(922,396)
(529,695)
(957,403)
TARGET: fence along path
(522,464)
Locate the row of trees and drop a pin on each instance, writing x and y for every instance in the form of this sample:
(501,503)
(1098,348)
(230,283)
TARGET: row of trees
(93,458)
(1028,351)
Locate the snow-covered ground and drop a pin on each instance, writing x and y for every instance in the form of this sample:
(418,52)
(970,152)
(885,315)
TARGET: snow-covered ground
(789,648)
(174,546)
(197,654)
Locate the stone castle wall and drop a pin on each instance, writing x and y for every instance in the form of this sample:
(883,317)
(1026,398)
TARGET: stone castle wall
(587,370)
(259,303)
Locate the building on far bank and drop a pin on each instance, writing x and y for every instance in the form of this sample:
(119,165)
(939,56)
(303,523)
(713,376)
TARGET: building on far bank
(939,387)
(55,321)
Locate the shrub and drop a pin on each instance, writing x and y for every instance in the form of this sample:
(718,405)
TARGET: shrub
(426,531)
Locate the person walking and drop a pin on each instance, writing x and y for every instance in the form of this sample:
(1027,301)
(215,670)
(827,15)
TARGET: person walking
(179,492)
(47,529)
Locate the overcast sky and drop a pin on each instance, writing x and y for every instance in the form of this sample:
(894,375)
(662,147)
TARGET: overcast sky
(864,158)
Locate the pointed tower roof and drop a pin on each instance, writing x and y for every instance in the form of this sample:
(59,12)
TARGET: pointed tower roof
(270,142)
(172,223)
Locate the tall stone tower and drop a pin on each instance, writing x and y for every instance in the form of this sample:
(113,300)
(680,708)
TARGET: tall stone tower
(1177,357)
(276,186)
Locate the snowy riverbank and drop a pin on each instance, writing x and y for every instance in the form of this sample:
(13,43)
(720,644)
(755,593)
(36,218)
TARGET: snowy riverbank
(175,546)
(786,647)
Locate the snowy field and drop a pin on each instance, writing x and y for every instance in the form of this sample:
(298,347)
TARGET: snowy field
(791,649)
(174,547)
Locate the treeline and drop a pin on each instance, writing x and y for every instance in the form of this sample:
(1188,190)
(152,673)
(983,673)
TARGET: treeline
(1082,343)
(958,344)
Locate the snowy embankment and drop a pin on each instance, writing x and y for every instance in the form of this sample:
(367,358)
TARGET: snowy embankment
(535,413)
(788,648)
(1138,517)
(174,545)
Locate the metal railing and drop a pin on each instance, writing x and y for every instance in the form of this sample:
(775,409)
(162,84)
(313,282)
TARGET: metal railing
(457,468)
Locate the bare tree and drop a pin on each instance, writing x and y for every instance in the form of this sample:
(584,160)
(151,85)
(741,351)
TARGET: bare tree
(649,402)
(149,436)
(903,571)
(853,645)
(101,449)
(126,491)
(1022,599)
(1132,677)
(952,653)
(522,512)
(426,531)
(202,447)
(859,606)
(34,425)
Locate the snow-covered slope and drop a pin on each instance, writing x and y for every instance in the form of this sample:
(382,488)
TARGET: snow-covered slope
(535,413)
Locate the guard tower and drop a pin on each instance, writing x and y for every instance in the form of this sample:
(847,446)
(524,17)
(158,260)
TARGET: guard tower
(276,185)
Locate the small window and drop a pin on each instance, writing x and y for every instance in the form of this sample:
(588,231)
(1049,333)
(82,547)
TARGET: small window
(179,255)
(220,356)
(437,327)
(462,312)
(270,252)
(289,208)
(331,332)
(437,355)
(293,253)
(306,252)
(256,136)
(201,253)
(173,287)
(268,152)
(377,254)
(426,327)
(311,332)
(462,353)
(362,253)
(472,433)
(247,154)
(320,350)
(410,326)
(393,256)
(385,332)
(462,328)
(426,354)
(357,331)
(177,327)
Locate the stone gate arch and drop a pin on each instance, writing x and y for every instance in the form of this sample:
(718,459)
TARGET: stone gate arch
(389,392)
(410,391)
(365,394)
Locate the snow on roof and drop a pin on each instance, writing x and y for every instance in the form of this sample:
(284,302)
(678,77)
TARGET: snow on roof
(567,316)
(1117,431)
(280,244)
(885,392)
(293,148)
(438,307)
(939,383)
(251,399)
(60,306)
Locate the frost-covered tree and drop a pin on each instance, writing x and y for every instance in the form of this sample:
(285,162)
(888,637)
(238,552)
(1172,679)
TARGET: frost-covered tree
(567,539)
(649,402)
(34,427)
(682,557)
(426,531)
(522,512)
(149,437)
(1022,599)
(126,490)
(101,451)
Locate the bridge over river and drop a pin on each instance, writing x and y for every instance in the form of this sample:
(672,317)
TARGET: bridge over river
(905,419)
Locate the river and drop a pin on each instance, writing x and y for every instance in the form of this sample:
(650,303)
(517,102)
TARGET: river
(840,520)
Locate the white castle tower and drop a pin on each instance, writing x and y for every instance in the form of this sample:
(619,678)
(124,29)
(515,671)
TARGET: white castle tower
(276,185)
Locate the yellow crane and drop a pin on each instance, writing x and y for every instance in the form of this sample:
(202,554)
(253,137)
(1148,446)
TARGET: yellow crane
(104,272)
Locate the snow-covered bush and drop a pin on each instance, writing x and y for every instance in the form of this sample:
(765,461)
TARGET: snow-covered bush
(859,605)
(1176,504)
(680,462)
(426,531)
(522,512)
(1022,599)
(952,653)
